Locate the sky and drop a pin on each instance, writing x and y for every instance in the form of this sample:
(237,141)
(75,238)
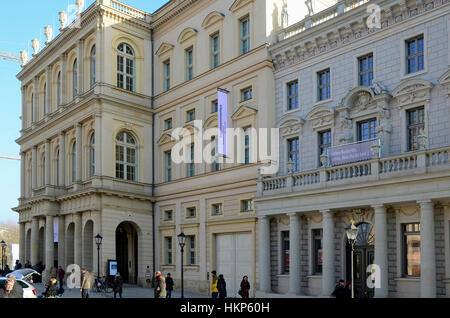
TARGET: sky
(20,22)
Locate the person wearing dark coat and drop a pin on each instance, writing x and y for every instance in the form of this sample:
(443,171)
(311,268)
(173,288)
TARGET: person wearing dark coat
(245,287)
(18,265)
(169,285)
(118,285)
(340,291)
(51,290)
(222,287)
(27,264)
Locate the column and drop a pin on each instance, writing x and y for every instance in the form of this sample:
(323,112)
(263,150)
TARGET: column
(61,241)
(264,254)
(35,109)
(49,242)
(79,149)
(62,151)
(294,258)
(202,239)
(99,50)
(24,107)
(22,242)
(328,273)
(22,174)
(427,250)
(381,250)
(77,238)
(97,230)
(47,163)
(49,85)
(33,169)
(80,61)
(34,241)
(63,78)
(98,144)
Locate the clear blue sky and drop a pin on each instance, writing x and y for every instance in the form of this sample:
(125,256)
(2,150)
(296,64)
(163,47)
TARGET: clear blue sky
(20,22)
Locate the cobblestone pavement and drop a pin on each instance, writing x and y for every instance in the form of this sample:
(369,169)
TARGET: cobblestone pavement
(129,291)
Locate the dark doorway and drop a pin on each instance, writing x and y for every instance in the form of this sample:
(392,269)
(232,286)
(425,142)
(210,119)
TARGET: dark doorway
(126,252)
(363,256)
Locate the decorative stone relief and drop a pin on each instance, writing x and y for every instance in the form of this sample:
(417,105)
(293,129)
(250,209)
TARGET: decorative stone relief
(321,117)
(412,91)
(444,80)
(290,125)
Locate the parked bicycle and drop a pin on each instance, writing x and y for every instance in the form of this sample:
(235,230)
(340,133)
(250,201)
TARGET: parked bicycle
(104,285)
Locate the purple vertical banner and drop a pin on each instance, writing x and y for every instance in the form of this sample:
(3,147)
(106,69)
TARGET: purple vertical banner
(55,229)
(222,109)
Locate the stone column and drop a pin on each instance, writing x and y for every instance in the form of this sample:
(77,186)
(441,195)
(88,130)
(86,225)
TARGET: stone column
(202,236)
(427,250)
(24,107)
(98,144)
(97,230)
(33,169)
(49,243)
(294,258)
(99,35)
(264,254)
(48,92)
(63,78)
(80,62)
(381,250)
(34,241)
(35,110)
(78,238)
(328,274)
(22,174)
(22,243)
(62,157)
(61,241)
(47,163)
(79,144)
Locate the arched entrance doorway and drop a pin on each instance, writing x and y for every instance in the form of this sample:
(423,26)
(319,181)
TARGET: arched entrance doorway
(363,256)
(88,245)
(127,252)
(41,257)
(70,244)
(28,247)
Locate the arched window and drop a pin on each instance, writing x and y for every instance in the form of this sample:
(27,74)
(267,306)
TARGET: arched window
(57,169)
(93,55)
(59,89)
(75,78)
(45,99)
(74,161)
(125,67)
(92,155)
(32,108)
(126,156)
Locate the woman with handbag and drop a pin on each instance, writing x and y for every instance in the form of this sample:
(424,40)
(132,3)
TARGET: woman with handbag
(245,287)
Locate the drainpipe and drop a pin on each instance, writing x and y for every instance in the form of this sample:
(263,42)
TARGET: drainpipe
(153,159)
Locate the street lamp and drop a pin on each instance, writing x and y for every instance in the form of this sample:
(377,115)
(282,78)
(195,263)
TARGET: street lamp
(3,243)
(182,242)
(98,241)
(352,233)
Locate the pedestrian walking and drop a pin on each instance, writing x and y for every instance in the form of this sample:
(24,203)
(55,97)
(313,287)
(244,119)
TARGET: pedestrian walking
(245,287)
(11,289)
(222,287)
(118,285)
(51,290)
(160,287)
(169,285)
(214,290)
(61,274)
(340,291)
(86,283)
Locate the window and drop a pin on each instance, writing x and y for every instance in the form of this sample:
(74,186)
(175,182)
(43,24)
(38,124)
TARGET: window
(191,164)
(324,143)
(166,70)
(245,35)
(168,124)
(285,252)
(168,215)
(92,156)
(43,171)
(414,55)
(189,64)
(411,249)
(191,246)
(33,110)
(366,70)
(246,94)
(57,169)
(292,95)
(324,85)
(75,78)
(125,67)
(294,153)
(216,163)
(247,137)
(246,205)
(191,213)
(74,162)
(44,93)
(216,209)
(168,161)
(367,129)
(416,127)
(126,156)
(214,106)
(215,50)
(93,61)
(317,249)
(168,250)
(59,89)
(190,115)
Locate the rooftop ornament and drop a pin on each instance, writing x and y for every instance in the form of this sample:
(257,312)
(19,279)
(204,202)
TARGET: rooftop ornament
(63,19)
(35,44)
(48,34)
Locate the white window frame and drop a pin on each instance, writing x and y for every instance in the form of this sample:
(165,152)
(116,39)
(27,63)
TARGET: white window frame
(126,75)
(215,54)
(126,147)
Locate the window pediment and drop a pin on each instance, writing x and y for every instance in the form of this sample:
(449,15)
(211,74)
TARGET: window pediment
(243,112)
(212,19)
(164,48)
(412,91)
(211,122)
(444,80)
(320,116)
(238,4)
(165,139)
(186,35)
(359,99)
(290,125)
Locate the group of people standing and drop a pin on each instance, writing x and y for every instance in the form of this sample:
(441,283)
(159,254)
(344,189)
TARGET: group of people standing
(219,286)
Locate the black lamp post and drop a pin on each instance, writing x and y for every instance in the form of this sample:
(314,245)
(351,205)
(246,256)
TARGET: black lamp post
(182,242)
(352,233)
(98,241)
(3,243)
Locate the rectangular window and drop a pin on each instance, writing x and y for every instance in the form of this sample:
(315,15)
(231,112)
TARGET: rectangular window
(285,252)
(216,163)
(214,106)
(411,249)
(168,161)
(324,143)
(191,164)
(190,115)
(294,153)
(246,205)
(189,64)
(168,124)
(168,215)
(366,70)
(191,246)
(247,137)
(245,35)
(215,50)
(191,213)
(292,89)
(166,70)
(367,129)
(415,55)
(317,249)
(416,127)
(216,209)
(324,85)
(246,94)
(169,250)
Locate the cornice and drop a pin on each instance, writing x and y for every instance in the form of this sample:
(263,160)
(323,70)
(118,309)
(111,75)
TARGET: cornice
(172,13)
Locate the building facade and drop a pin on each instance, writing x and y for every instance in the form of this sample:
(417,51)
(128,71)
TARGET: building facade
(337,83)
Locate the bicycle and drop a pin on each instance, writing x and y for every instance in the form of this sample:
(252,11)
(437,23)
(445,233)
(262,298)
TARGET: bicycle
(103,285)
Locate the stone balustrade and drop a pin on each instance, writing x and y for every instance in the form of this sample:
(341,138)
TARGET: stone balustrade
(122,7)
